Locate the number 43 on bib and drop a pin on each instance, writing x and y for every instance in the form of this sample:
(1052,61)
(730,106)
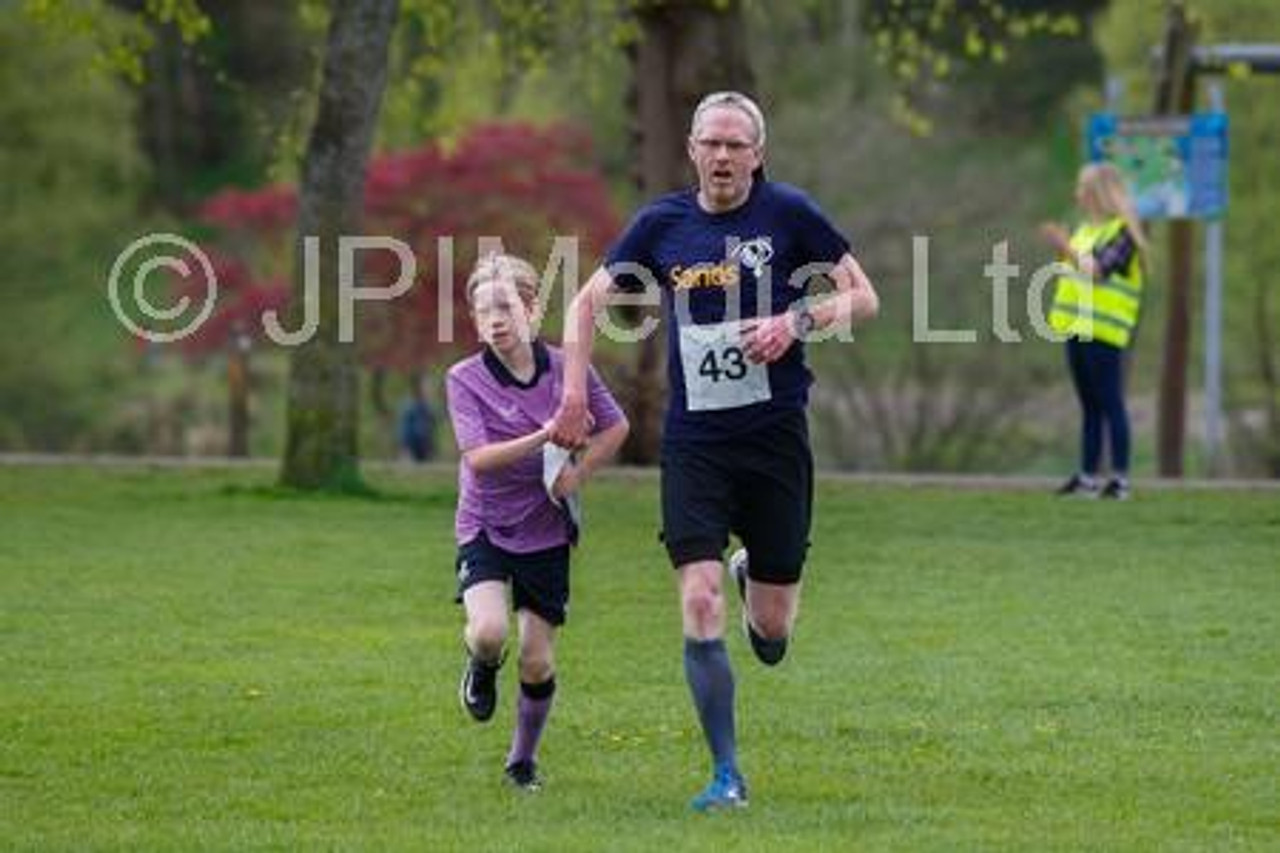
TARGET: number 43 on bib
(717,372)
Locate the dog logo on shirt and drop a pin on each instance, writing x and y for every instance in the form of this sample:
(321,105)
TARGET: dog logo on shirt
(753,254)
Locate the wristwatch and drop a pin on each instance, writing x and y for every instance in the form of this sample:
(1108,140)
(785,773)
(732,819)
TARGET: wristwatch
(804,321)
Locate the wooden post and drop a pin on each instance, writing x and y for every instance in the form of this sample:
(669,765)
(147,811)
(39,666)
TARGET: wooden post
(1175,95)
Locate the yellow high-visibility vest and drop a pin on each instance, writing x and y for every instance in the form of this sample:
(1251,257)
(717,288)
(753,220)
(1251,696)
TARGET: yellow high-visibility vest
(1105,310)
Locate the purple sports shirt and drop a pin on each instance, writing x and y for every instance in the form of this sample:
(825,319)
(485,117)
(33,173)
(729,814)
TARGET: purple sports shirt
(487,405)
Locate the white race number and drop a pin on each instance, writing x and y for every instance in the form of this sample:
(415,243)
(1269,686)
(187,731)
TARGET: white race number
(717,372)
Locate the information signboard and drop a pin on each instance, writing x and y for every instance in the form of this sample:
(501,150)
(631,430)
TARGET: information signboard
(1176,166)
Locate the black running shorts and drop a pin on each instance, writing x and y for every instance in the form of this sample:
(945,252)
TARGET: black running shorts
(539,580)
(758,487)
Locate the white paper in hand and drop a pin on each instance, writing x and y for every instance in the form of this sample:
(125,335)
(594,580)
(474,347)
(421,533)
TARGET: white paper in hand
(554,458)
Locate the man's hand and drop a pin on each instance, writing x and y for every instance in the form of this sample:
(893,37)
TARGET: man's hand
(765,341)
(571,424)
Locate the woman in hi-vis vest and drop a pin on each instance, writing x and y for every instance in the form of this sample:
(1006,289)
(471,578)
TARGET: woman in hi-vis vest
(1096,307)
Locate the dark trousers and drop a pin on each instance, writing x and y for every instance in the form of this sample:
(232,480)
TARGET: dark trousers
(1097,370)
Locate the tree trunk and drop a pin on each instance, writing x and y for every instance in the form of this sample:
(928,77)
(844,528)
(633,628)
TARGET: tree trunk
(321,450)
(1175,95)
(687,49)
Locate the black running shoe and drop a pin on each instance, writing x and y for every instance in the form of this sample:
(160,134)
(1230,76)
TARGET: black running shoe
(478,690)
(524,776)
(1117,490)
(1078,487)
(769,652)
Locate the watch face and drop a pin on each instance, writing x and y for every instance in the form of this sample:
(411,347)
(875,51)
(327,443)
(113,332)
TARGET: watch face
(805,322)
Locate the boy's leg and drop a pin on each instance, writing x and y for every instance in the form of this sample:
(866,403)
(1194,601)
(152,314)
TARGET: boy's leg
(486,631)
(484,636)
(540,594)
(537,690)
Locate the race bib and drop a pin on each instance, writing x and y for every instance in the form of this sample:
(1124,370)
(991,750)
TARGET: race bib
(717,372)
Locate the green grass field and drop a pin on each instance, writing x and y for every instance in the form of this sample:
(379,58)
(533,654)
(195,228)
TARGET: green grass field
(193,660)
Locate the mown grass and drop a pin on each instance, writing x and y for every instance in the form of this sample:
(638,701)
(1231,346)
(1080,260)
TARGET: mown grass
(194,660)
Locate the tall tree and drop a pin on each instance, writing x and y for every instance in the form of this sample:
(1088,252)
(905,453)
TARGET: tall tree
(686,49)
(321,445)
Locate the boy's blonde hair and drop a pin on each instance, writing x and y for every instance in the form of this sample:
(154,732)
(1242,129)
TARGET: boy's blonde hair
(497,266)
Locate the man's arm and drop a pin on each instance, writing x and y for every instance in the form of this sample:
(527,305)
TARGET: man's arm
(854,301)
(570,425)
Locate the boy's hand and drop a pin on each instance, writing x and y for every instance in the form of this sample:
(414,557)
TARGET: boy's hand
(567,483)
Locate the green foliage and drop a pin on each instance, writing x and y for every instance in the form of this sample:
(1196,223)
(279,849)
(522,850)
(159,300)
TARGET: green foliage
(922,43)
(458,64)
(71,174)
(191,662)
(1252,298)
(121,39)
(888,401)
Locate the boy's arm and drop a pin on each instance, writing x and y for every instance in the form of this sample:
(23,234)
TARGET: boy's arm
(602,447)
(500,454)
(468,419)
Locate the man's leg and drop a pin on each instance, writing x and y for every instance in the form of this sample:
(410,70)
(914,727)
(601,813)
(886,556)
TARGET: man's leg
(696,504)
(537,690)
(772,608)
(710,677)
(775,485)
(768,610)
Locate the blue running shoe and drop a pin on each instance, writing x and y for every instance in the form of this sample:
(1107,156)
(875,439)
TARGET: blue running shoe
(728,790)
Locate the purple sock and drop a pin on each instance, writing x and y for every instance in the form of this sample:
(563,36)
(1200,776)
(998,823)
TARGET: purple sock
(531,715)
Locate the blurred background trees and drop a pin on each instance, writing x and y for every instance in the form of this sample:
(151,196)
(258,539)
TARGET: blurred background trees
(956,121)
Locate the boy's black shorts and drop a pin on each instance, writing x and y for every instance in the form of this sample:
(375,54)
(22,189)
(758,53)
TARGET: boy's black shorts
(758,486)
(539,580)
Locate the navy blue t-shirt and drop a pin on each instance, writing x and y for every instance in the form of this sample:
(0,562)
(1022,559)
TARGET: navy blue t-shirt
(713,270)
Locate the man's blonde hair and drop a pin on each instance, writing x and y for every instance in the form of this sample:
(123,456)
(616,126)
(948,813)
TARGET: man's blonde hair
(737,101)
(497,266)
